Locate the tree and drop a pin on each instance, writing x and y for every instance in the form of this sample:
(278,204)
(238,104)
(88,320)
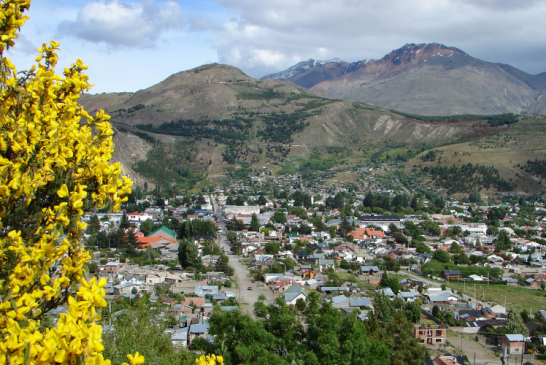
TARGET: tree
(455,248)
(188,255)
(130,238)
(93,227)
(461,259)
(300,304)
(383,309)
(441,256)
(474,197)
(222,265)
(124,223)
(52,169)
(147,226)
(279,217)
(332,230)
(390,282)
(515,325)
(502,242)
(254,223)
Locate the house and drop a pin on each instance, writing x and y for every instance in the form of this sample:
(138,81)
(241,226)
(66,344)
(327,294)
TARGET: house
(408,296)
(513,344)
(451,274)
(409,283)
(202,238)
(180,337)
(202,290)
(209,260)
(386,291)
(360,302)
(510,281)
(532,283)
(329,289)
(340,301)
(448,359)
(474,314)
(369,270)
(197,330)
(324,264)
(429,334)
(113,267)
(293,293)
(138,217)
(310,274)
(163,232)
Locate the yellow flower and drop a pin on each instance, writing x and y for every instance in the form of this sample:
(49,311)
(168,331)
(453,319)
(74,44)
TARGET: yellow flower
(40,123)
(136,360)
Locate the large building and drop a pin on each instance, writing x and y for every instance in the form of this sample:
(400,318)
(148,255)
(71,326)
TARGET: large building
(241,209)
(370,219)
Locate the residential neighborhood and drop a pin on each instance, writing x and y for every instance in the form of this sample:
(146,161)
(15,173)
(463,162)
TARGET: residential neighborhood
(341,246)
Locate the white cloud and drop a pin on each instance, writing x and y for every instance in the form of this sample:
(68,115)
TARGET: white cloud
(118,23)
(268,36)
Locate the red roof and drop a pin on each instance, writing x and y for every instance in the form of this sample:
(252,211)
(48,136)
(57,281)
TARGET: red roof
(143,240)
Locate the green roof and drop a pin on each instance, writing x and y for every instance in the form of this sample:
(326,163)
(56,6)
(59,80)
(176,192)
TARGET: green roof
(165,229)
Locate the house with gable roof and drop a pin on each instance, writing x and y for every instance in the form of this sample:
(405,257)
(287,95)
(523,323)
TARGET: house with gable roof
(163,232)
(293,293)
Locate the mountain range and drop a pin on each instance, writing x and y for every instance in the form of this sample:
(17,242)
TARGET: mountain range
(214,118)
(426,79)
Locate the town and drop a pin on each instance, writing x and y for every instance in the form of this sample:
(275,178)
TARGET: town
(471,269)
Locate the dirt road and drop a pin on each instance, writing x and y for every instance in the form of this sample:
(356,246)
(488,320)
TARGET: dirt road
(472,348)
(244,296)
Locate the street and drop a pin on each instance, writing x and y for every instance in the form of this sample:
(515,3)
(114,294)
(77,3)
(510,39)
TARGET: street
(245,297)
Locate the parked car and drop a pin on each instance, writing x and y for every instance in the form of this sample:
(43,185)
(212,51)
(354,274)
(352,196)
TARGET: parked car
(249,288)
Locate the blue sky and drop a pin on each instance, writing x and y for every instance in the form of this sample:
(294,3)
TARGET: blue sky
(133,44)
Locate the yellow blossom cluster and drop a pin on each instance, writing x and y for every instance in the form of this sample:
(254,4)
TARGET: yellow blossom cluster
(54,164)
(209,360)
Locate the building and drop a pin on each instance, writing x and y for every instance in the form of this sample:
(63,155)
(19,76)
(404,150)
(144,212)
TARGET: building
(237,209)
(451,274)
(369,270)
(138,217)
(163,232)
(513,344)
(379,220)
(429,334)
(293,293)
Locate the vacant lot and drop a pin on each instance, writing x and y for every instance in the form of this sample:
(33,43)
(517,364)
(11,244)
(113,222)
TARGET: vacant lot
(517,298)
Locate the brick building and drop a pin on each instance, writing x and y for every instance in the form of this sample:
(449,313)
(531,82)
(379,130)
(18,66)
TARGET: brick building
(429,334)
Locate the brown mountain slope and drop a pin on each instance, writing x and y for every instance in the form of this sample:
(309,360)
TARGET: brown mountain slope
(223,92)
(431,79)
(225,117)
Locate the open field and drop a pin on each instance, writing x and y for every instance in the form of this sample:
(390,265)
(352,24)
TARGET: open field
(517,298)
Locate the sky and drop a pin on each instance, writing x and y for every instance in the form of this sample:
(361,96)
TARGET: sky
(134,44)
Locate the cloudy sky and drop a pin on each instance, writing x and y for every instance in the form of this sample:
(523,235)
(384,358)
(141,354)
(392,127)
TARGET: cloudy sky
(133,44)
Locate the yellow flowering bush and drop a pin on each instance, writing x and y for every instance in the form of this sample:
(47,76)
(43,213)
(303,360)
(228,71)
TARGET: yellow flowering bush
(54,164)
(209,360)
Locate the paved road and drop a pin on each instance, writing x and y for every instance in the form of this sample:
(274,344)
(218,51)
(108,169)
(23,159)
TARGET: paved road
(246,297)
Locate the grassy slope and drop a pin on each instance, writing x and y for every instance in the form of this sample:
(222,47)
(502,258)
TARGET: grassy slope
(514,145)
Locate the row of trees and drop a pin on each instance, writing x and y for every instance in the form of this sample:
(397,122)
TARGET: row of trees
(196,227)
